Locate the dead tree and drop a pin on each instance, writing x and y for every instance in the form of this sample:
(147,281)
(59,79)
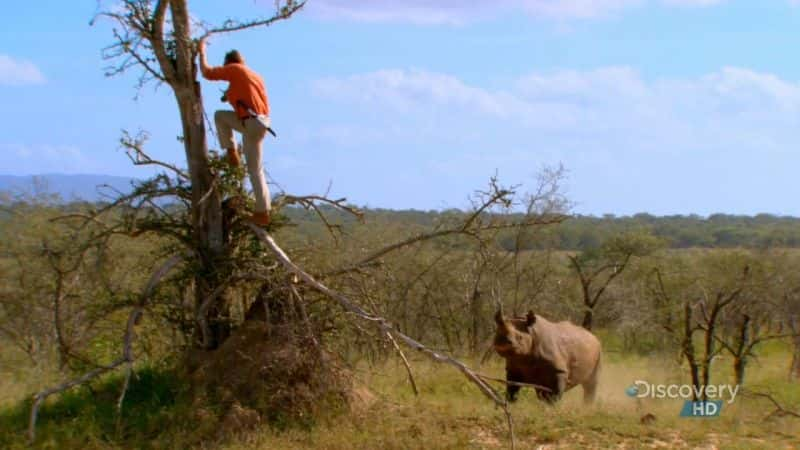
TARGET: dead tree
(704,314)
(791,302)
(159,39)
(218,252)
(748,334)
(688,348)
(598,268)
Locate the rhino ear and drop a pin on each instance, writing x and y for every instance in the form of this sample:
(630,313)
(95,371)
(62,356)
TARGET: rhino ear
(498,317)
(530,318)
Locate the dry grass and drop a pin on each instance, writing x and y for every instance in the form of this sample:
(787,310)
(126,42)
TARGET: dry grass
(451,413)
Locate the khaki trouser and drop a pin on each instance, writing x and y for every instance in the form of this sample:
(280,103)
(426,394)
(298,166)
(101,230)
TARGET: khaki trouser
(252,136)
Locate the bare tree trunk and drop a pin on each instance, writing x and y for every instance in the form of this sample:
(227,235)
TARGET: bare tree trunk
(588,318)
(207,217)
(688,348)
(475,325)
(738,369)
(206,201)
(710,347)
(740,358)
(794,372)
(794,327)
(475,313)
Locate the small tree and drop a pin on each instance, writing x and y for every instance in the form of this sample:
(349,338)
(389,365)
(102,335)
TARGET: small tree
(704,300)
(597,268)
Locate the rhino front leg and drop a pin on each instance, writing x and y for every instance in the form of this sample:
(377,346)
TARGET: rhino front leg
(558,389)
(512,389)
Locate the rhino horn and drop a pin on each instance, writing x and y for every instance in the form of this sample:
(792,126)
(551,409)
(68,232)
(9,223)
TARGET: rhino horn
(498,316)
(530,318)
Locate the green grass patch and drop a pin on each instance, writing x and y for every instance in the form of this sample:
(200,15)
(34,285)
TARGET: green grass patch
(449,413)
(155,404)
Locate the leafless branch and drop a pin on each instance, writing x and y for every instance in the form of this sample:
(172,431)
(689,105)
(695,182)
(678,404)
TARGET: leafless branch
(134,148)
(125,384)
(384,325)
(471,227)
(138,30)
(127,346)
(780,410)
(405,363)
(41,396)
(231,25)
(310,202)
(515,383)
(156,34)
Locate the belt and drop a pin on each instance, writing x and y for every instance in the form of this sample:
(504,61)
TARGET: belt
(269,129)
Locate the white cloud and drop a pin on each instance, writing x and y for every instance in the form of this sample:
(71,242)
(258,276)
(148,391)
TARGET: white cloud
(606,106)
(572,8)
(665,145)
(426,12)
(403,90)
(694,2)
(45,158)
(417,12)
(17,72)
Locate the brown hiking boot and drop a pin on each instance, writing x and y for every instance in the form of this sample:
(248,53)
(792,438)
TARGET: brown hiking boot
(233,157)
(260,218)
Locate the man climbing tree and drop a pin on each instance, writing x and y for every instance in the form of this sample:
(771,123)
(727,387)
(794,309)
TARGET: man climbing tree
(224,282)
(248,96)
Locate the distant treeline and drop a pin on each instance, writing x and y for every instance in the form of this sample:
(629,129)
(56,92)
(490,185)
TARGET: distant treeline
(715,231)
(577,232)
(580,232)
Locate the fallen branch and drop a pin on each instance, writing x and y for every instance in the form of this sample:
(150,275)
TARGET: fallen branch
(41,396)
(405,363)
(385,326)
(127,348)
(780,410)
(123,391)
(514,383)
(307,322)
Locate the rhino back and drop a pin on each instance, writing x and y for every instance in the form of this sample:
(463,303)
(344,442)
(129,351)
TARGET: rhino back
(570,348)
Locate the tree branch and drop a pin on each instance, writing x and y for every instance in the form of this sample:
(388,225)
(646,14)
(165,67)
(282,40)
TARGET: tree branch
(381,323)
(233,25)
(779,409)
(470,227)
(133,146)
(157,40)
(405,362)
(127,346)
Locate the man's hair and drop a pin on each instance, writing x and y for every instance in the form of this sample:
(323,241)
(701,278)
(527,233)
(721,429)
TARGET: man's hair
(234,57)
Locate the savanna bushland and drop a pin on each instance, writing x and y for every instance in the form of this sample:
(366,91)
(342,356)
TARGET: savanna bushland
(162,319)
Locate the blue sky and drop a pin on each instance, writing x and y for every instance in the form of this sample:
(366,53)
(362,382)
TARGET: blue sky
(659,106)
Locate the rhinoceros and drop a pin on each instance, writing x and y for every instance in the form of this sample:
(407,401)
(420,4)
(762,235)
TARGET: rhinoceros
(554,356)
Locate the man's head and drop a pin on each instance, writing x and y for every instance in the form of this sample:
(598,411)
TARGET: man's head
(233,57)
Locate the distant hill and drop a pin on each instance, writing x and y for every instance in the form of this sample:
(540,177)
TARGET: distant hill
(69,187)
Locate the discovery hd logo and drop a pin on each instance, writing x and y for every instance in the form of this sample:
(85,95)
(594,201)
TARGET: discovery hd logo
(715,396)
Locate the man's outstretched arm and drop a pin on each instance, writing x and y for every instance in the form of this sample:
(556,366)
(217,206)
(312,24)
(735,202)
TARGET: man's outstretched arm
(209,73)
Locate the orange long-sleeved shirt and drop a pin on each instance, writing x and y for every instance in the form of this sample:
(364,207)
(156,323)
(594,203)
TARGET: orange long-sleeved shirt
(245,86)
